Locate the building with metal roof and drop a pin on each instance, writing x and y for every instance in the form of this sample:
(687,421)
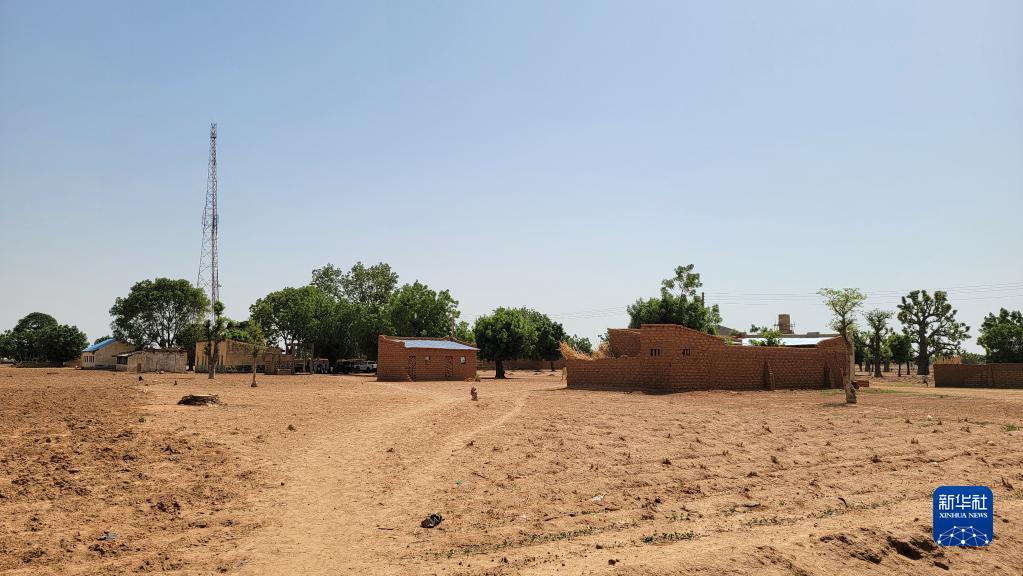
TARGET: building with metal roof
(103,355)
(406,359)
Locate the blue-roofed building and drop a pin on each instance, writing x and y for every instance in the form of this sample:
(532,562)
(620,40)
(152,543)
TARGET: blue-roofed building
(103,354)
(402,359)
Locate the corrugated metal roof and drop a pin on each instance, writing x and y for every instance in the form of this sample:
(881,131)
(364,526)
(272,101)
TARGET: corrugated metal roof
(790,341)
(99,345)
(441,344)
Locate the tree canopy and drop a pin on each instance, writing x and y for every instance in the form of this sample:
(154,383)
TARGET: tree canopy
(931,322)
(877,322)
(370,286)
(157,311)
(547,336)
(679,303)
(505,334)
(416,310)
(39,337)
(1002,336)
(293,315)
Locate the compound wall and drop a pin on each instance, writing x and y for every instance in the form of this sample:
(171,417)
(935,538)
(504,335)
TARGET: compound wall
(978,375)
(672,358)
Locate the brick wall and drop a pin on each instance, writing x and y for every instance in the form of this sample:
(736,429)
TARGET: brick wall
(623,341)
(671,358)
(978,375)
(395,363)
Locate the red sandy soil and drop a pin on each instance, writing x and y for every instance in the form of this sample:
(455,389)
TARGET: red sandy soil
(531,479)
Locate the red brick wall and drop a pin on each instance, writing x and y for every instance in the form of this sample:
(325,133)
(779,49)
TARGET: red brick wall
(623,341)
(978,375)
(672,358)
(394,362)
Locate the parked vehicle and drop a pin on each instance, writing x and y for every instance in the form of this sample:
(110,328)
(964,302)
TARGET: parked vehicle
(355,366)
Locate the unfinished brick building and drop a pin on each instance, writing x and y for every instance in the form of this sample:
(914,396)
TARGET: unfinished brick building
(672,358)
(401,359)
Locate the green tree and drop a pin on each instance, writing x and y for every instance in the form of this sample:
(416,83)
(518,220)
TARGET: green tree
(464,333)
(901,346)
(877,322)
(679,303)
(188,337)
(102,338)
(257,344)
(1002,336)
(157,311)
(38,337)
(579,343)
(415,310)
(505,334)
(214,333)
(843,303)
(931,322)
(769,336)
(292,315)
(372,286)
(548,334)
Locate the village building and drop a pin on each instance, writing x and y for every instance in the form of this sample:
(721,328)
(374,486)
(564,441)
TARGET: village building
(401,359)
(236,356)
(672,358)
(103,355)
(153,360)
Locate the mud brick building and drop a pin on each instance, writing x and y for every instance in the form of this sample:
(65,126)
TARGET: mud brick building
(401,359)
(978,375)
(672,358)
(154,360)
(103,355)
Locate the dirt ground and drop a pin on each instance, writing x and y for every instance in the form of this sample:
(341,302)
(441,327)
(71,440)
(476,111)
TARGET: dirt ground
(102,474)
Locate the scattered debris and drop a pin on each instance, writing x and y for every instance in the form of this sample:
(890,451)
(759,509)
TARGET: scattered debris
(473,394)
(200,400)
(107,536)
(291,428)
(431,521)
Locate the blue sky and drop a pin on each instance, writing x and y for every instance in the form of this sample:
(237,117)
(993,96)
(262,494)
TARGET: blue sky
(560,155)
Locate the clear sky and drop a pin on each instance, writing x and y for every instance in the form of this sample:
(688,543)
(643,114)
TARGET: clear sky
(560,155)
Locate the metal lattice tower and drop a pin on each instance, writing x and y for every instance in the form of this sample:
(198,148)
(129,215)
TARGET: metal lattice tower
(209,278)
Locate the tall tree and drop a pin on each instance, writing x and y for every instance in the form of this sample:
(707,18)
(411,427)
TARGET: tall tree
(679,303)
(157,311)
(931,322)
(1002,336)
(843,303)
(548,334)
(38,337)
(371,286)
(292,315)
(464,333)
(416,310)
(505,334)
(877,321)
(901,346)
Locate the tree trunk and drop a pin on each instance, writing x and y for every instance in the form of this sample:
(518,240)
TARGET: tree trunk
(253,385)
(923,360)
(499,369)
(900,368)
(850,392)
(213,360)
(877,369)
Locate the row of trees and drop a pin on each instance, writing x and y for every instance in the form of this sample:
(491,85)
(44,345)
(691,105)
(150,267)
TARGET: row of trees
(38,337)
(339,314)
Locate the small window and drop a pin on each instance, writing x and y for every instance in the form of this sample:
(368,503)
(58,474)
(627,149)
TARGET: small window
(461,360)
(686,352)
(655,351)
(427,359)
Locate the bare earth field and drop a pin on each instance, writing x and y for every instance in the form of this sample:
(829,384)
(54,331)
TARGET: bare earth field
(102,474)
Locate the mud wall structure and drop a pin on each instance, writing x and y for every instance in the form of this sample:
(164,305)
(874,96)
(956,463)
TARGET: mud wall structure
(978,375)
(672,358)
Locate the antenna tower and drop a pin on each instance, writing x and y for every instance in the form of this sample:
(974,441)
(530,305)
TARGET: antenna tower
(209,278)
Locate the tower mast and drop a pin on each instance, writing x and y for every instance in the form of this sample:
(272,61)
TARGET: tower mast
(209,278)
